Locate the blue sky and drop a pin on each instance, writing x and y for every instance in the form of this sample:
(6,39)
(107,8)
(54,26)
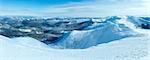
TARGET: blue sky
(34,3)
(74,7)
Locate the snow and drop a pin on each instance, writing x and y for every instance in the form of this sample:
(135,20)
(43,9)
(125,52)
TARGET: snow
(83,39)
(131,48)
(29,42)
(129,43)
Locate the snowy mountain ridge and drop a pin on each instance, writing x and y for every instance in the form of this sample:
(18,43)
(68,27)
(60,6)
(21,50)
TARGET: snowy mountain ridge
(87,38)
(114,38)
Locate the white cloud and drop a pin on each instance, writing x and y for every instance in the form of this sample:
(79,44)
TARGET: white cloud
(96,8)
(103,8)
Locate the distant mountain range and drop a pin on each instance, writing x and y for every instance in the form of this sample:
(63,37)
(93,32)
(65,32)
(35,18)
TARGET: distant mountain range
(48,29)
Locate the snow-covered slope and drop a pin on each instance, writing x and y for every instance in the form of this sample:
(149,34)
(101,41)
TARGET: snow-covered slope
(29,42)
(104,33)
(121,41)
(131,48)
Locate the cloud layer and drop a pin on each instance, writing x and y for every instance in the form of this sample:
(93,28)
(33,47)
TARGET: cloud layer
(88,8)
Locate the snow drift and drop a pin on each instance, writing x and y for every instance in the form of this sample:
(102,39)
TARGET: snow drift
(22,41)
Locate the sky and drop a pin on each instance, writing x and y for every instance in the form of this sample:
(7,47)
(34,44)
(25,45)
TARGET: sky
(74,7)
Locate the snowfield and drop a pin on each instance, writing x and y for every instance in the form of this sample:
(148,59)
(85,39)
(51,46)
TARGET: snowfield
(117,40)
